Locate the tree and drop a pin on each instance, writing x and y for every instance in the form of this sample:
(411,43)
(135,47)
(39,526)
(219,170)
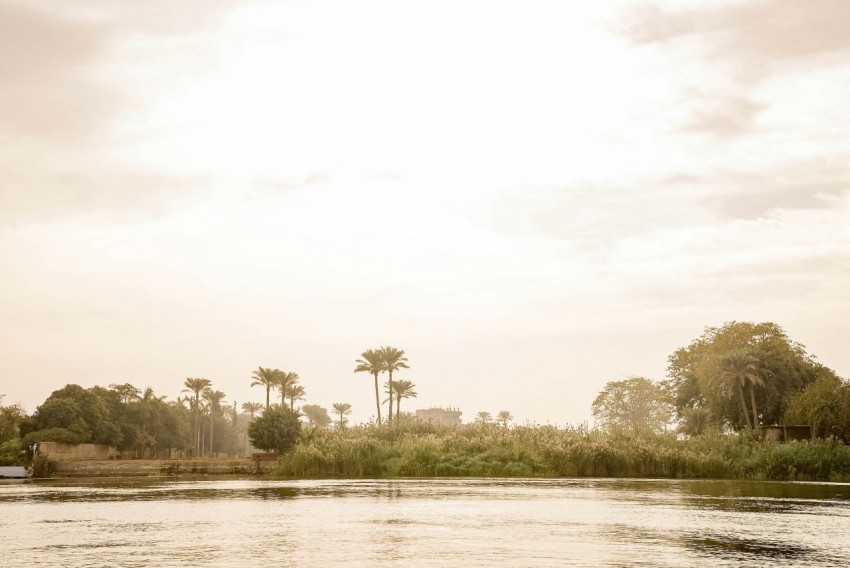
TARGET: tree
(195,386)
(483,417)
(372,362)
(214,399)
(74,415)
(400,389)
(294,392)
(317,416)
(695,421)
(126,392)
(251,408)
(634,404)
(277,429)
(504,417)
(824,405)
(265,377)
(394,360)
(285,381)
(734,370)
(783,360)
(343,409)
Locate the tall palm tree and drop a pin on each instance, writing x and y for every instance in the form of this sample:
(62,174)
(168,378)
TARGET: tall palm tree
(394,360)
(265,377)
(214,400)
(695,420)
(251,408)
(372,362)
(285,380)
(483,417)
(735,369)
(343,409)
(196,385)
(294,392)
(504,417)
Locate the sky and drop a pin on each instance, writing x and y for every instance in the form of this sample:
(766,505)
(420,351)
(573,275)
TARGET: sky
(530,198)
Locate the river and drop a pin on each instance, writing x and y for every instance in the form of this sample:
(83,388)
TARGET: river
(442,522)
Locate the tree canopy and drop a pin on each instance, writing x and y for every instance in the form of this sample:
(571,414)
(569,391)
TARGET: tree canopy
(277,429)
(633,404)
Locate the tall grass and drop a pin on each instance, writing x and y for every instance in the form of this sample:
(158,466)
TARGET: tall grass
(419,449)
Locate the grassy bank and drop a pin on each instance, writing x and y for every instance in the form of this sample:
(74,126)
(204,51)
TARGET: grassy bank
(426,450)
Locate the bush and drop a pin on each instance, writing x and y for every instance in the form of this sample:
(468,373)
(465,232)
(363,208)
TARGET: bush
(277,429)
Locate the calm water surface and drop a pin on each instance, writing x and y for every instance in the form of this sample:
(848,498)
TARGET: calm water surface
(424,523)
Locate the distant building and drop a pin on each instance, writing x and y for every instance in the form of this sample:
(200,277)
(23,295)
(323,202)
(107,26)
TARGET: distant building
(445,416)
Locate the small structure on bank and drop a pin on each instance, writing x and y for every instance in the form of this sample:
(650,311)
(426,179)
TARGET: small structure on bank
(12,472)
(444,416)
(785,433)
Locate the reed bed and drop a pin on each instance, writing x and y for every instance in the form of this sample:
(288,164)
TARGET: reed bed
(419,449)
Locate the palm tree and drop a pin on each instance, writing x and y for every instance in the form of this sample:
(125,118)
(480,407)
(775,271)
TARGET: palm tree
(372,363)
(251,408)
(293,393)
(401,389)
(394,360)
(196,385)
(504,417)
(343,409)
(317,416)
(214,400)
(695,421)
(483,417)
(285,380)
(735,369)
(265,377)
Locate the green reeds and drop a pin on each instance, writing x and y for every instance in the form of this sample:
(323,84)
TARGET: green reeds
(420,449)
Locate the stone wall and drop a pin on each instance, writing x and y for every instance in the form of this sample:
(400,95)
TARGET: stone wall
(75,452)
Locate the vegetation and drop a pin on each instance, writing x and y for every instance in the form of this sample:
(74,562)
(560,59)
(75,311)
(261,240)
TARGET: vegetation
(343,409)
(276,430)
(420,449)
(632,404)
(317,416)
(386,359)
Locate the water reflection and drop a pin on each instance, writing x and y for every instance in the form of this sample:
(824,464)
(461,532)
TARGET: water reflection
(585,522)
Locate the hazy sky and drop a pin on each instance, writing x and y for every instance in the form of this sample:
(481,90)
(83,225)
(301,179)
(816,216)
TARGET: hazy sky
(531,198)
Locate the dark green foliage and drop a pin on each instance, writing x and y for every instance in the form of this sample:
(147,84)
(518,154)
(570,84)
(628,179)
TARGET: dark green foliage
(11,417)
(11,453)
(42,467)
(277,429)
(82,412)
(825,406)
(787,368)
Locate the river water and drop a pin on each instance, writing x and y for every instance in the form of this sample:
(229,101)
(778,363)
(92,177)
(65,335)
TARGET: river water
(443,522)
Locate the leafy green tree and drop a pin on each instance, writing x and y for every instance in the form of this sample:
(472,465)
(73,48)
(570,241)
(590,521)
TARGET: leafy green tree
(782,360)
(126,392)
(317,416)
(11,417)
(504,417)
(343,409)
(824,405)
(73,414)
(394,360)
(275,430)
(265,377)
(634,404)
(372,362)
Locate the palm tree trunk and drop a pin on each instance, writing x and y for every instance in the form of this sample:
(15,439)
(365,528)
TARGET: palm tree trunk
(397,407)
(755,412)
(390,417)
(212,434)
(377,399)
(743,405)
(268,392)
(292,404)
